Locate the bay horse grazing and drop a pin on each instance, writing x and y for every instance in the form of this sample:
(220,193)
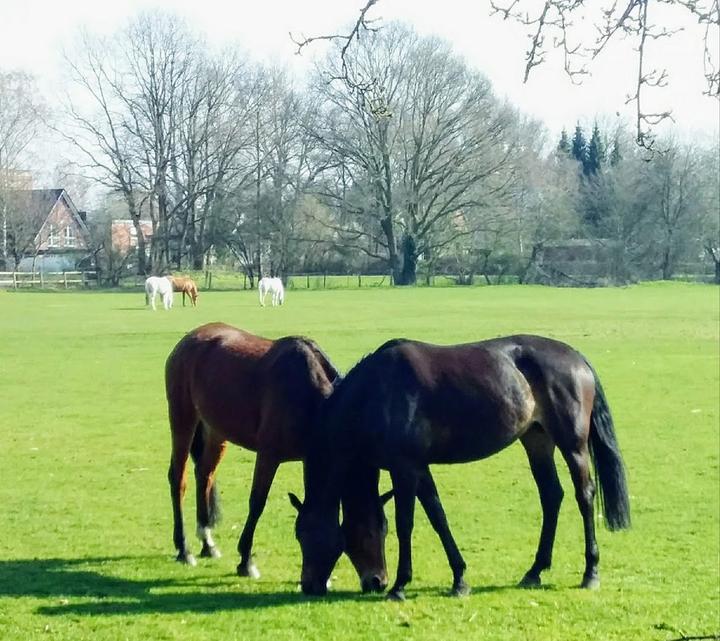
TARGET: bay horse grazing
(226,385)
(411,404)
(161,285)
(274,287)
(186,285)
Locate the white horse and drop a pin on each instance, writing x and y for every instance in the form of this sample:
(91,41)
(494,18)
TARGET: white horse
(159,285)
(274,287)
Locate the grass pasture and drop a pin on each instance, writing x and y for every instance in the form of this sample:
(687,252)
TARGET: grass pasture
(87,552)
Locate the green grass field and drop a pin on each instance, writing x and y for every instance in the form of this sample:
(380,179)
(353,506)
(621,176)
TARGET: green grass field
(86,548)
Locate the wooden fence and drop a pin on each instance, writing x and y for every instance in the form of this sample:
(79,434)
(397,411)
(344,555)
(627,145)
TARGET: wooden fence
(46,280)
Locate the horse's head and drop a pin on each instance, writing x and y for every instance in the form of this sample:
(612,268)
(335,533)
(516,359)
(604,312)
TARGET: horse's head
(362,536)
(364,528)
(321,539)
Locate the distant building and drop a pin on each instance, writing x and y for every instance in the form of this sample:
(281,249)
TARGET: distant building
(59,232)
(124,235)
(577,262)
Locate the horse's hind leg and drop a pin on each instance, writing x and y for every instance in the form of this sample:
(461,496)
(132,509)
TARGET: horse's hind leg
(430,500)
(265,467)
(206,462)
(177,476)
(540,451)
(578,461)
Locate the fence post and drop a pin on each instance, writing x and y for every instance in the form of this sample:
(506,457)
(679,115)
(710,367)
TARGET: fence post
(359,280)
(210,281)
(307,281)
(15,280)
(324,280)
(65,279)
(42,279)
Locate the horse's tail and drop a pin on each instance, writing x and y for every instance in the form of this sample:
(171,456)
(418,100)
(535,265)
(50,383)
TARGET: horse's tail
(196,450)
(609,468)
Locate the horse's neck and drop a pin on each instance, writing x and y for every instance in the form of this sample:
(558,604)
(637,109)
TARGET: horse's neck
(324,474)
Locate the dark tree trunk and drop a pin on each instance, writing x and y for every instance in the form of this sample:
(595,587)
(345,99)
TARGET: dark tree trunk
(407,274)
(715,255)
(141,253)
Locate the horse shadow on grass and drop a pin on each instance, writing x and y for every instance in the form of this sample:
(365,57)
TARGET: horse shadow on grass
(64,581)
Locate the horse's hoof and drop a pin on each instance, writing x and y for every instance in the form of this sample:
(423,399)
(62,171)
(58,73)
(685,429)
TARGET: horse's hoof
(590,582)
(210,552)
(395,595)
(248,570)
(460,589)
(530,581)
(186,558)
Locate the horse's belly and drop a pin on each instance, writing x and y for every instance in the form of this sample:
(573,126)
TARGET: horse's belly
(469,446)
(236,428)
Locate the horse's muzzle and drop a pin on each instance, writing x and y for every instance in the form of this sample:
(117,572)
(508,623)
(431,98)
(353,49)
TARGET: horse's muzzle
(374,583)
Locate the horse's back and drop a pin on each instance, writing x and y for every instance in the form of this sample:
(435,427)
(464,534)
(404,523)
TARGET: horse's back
(250,390)
(459,402)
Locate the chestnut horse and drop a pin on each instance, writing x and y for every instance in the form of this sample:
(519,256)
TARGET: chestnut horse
(186,285)
(226,385)
(411,404)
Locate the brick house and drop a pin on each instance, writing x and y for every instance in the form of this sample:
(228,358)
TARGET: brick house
(124,235)
(59,232)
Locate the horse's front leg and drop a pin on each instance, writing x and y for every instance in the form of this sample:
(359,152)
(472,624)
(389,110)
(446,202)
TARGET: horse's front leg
(265,467)
(405,481)
(430,500)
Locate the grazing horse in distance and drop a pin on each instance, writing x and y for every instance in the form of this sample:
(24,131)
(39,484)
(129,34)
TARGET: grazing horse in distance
(412,404)
(186,285)
(226,385)
(161,285)
(274,287)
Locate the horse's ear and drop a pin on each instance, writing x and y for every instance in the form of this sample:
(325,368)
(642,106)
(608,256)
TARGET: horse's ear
(295,501)
(387,496)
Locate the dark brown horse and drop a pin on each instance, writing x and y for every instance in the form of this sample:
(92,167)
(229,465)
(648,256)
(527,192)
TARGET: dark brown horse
(227,385)
(411,404)
(186,285)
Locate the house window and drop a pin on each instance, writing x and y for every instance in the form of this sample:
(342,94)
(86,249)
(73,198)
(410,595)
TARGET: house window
(52,236)
(69,237)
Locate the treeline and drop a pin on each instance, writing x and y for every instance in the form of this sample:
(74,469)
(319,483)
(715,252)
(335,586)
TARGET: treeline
(397,159)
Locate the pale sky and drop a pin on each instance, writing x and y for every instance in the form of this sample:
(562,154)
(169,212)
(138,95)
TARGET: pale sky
(35,31)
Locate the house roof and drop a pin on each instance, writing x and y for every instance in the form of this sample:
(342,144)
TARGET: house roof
(44,200)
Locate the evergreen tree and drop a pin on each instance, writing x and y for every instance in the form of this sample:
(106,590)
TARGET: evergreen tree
(595,156)
(564,144)
(615,154)
(579,146)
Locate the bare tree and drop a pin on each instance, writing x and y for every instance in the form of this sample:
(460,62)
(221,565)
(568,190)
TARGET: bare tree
(411,156)
(22,115)
(101,133)
(555,23)
(214,139)
(684,201)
